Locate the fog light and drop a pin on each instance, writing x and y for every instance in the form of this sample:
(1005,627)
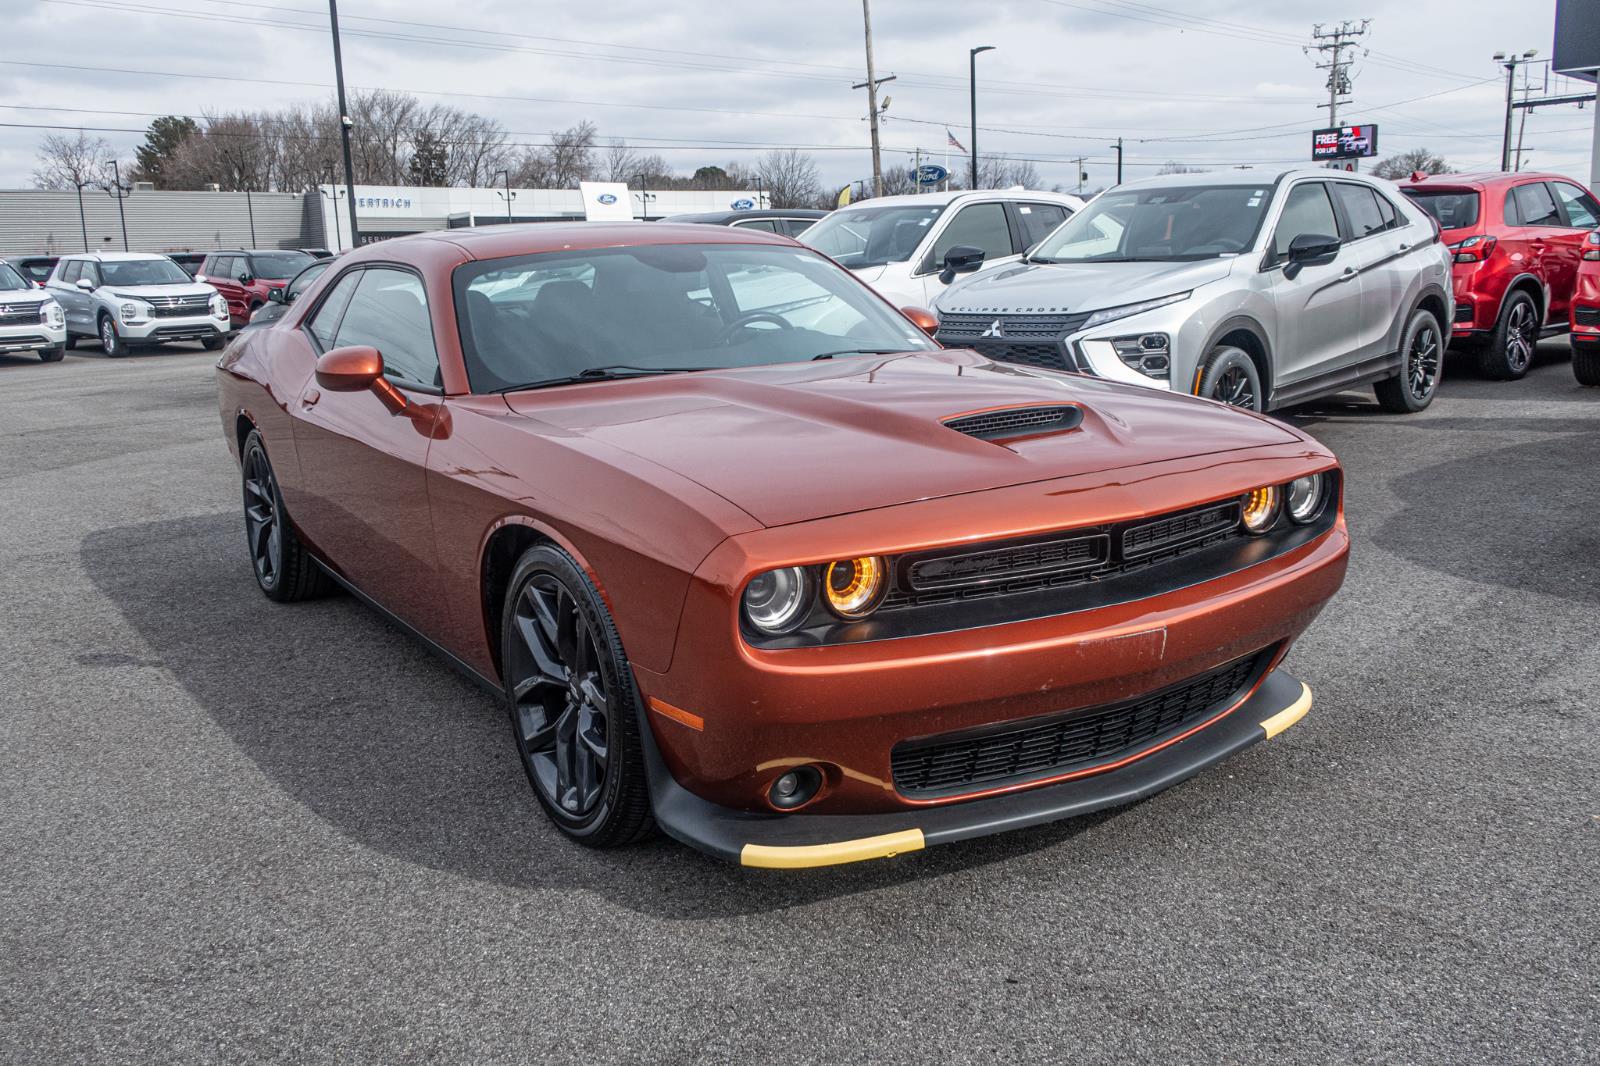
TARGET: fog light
(1305,498)
(1148,353)
(795,788)
(1260,509)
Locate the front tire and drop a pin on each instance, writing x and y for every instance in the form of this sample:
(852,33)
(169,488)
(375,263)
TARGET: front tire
(283,567)
(1586,365)
(572,703)
(1231,377)
(110,340)
(1509,351)
(1413,388)
(213,344)
(72,342)
(53,354)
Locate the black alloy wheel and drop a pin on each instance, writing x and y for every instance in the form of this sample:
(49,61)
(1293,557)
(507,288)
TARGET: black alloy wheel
(1509,353)
(1413,388)
(572,703)
(283,567)
(1231,377)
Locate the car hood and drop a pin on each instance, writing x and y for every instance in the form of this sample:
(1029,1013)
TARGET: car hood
(23,296)
(794,442)
(176,289)
(1076,286)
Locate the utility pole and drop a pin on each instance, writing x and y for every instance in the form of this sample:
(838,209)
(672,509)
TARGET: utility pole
(345,123)
(1333,43)
(1077,165)
(1510,60)
(1118,147)
(871,85)
(972,89)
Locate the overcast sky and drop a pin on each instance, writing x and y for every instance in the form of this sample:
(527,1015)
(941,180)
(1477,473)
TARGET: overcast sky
(1204,82)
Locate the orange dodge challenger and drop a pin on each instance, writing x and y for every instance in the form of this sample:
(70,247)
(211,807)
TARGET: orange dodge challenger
(750,558)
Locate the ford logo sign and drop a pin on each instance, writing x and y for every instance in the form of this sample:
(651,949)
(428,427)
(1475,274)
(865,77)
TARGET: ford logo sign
(607,198)
(743,205)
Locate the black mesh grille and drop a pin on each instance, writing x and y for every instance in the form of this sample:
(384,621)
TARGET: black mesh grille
(179,306)
(1044,356)
(21,314)
(1017,421)
(1463,312)
(1586,316)
(1031,340)
(1046,747)
(1150,537)
(1030,559)
(967,326)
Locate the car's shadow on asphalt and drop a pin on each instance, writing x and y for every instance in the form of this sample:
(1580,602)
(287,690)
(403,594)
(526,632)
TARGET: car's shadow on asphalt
(378,737)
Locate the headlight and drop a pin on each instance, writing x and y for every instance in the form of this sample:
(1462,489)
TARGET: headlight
(854,587)
(779,600)
(53,313)
(1305,498)
(1259,509)
(1111,314)
(131,311)
(219,306)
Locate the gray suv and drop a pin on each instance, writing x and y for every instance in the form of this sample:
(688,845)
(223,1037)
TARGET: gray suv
(128,299)
(1258,291)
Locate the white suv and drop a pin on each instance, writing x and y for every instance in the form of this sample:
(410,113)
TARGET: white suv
(130,298)
(902,245)
(1255,289)
(30,321)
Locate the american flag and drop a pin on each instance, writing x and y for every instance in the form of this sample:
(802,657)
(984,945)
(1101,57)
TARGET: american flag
(952,139)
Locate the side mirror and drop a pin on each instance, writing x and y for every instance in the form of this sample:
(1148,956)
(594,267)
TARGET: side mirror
(277,296)
(962,259)
(922,318)
(85,284)
(200,277)
(245,278)
(358,368)
(1312,248)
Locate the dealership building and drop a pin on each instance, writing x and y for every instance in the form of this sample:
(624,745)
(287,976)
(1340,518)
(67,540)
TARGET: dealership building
(50,222)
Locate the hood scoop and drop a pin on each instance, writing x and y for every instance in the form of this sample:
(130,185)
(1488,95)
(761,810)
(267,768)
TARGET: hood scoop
(1009,423)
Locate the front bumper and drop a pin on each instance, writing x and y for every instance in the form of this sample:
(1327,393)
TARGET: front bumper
(801,840)
(173,329)
(31,337)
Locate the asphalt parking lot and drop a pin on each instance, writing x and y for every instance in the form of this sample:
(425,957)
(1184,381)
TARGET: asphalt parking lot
(237,831)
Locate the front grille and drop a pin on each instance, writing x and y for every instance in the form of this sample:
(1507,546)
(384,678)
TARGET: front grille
(1586,316)
(1053,326)
(1463,312)
(1032,558)
(1148,538)
(1044,356)
(179,306)
(1031,340)
(21,314)
(22,342)
(1076,740)
(1017,421)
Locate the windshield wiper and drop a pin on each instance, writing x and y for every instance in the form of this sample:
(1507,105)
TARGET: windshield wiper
(603,373)
(859,351)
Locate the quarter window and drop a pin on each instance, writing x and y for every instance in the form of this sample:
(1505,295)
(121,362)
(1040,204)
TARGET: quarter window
(325,321)
(1582,211)
(389,312)
(978,226)
(1308,210)
(1361,204)
(1531,205)
(766,225)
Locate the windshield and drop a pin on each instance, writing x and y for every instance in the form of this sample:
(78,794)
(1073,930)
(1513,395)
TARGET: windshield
(1159,225)
(10,279)
(546,318)
(279,266)
(1452,209)
(872,236)
(143,272)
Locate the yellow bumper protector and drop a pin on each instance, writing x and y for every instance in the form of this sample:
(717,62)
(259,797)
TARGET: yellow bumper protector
(1290,714)
(799,858)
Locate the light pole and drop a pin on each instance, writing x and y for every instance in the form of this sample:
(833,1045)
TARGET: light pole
(118,190)
(1510,60)
(505,175)
(972,85)
(344,124)
(83,219)
(644,199)
(333,192)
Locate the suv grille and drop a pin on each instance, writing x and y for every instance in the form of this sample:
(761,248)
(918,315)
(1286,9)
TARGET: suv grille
(178,306)
(1032,340)
(21,314)
(1046,747)
(1018,421)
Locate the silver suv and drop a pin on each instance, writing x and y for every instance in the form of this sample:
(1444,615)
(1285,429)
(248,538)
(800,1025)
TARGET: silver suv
(131,298)
(1254,290)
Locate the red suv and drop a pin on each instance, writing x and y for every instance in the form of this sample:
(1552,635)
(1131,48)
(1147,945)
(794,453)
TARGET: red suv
(245,277)
(1517,240)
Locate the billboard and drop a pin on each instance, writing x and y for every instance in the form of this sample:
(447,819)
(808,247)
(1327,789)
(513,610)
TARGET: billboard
(1577,48)
(1344,142)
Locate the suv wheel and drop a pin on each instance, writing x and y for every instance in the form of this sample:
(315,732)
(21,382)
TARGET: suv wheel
(110,339)
(1231,377)
(72,342)
(1509,352)
(1586,365)
(53,354)
(1413,387)
(213,344)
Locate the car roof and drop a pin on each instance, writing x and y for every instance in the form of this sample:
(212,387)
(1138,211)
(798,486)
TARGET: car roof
(246,251)
(716,217)
(116,257)
(1482,179)
(532,238)
(941,198)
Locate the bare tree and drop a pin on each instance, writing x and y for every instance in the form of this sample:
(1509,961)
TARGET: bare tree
(790,178)
(1404,164)
(69,162)
(619,162)
(1172,166)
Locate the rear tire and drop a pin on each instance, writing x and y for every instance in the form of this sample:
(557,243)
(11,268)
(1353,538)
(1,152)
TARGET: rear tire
(1421,367)
(72,342)
(284,569)
(110,340)
(52,355)
(1231,377)
(572,702)
(1586,365)
(1508,353)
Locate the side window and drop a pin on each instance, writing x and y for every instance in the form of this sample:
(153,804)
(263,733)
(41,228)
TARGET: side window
(1361,204)
(230,267)
(325,320)
(208,266)
(1038,220)
(70,270)
(765,225)
(389,311)
(304,280)
(1534,207)
(793,227)
(1308,210)
(978,226)
(1582,211)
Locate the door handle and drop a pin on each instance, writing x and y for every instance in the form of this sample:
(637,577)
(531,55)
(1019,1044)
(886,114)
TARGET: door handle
(1405,247)
(1349,272)
(310,398)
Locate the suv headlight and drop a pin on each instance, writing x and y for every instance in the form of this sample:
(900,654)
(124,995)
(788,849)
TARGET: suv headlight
(219,306)
(132,311)
(54,315)
(1111,314)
